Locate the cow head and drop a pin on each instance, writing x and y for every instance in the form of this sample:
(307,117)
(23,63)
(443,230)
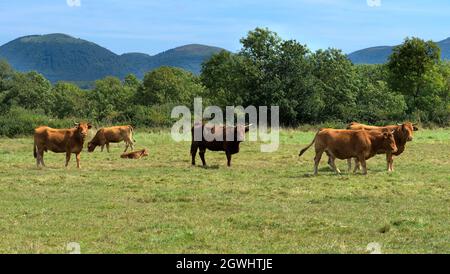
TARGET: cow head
(145,153)
(83,129)
(389,142)
(407,130)
(91,146)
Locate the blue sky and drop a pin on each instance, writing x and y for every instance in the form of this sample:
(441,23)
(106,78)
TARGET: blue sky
(151,26)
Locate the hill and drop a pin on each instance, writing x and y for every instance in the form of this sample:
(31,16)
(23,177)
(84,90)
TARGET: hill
(380,55)
(63,57)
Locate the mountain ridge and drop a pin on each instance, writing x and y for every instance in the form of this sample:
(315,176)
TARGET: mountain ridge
(61,57)
(380,54)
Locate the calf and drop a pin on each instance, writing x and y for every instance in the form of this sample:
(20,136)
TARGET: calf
(108,135)
(60,141)
(217,138)
(135,155)
(403,133)
(347,144)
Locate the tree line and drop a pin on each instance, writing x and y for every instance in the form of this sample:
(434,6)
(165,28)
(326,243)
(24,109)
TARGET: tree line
(309,87)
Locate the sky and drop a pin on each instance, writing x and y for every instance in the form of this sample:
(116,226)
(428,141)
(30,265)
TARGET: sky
(152,26)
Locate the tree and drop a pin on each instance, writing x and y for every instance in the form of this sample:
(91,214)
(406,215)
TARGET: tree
(109,99)
(169,85)
(131,81)
(6,75)
(68,100)
(336,83)
(224,76)
(376,102)
(413,71)
(28,90)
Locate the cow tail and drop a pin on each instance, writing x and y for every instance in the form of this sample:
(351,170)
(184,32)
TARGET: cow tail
(306,148)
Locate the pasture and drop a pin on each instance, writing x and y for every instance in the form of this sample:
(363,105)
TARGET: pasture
(264,203)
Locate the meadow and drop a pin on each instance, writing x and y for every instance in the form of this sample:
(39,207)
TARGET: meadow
(264,203)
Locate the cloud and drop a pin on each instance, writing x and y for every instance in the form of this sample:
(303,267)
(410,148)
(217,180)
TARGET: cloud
(73,3)
(374,3)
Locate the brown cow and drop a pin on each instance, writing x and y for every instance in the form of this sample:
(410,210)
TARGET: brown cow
(60,141)
(135,155)
(347,144)
(108,135)
(403,134)
(220,138)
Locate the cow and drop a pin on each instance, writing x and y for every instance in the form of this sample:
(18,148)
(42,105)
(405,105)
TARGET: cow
(403,134)
(135,155)
(108,135)
(217,138)
(348,144)
(60,141)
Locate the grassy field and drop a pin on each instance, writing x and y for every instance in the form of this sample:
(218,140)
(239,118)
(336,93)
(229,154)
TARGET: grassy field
(265,203)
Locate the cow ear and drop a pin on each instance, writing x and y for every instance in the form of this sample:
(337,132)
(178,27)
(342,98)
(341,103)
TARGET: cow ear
(77,125)
(89,126)
(415,128)
(385,135)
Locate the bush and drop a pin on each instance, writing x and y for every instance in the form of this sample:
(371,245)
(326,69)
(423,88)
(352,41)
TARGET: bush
(18,121)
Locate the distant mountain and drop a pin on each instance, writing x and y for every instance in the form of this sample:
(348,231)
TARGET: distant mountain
(63,57)
(380,55)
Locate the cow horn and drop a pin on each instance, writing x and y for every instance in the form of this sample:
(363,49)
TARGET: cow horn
(248,126)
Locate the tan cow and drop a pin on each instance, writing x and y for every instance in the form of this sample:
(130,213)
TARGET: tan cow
(348,144)
(60,141)
(403,133)
(135,155)
(108,135)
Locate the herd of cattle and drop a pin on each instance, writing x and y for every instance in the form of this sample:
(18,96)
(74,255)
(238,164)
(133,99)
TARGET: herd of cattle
(358,142)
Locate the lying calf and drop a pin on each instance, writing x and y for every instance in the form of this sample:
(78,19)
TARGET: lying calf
(135,155)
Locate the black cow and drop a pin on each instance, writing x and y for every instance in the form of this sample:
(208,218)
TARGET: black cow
(217,138)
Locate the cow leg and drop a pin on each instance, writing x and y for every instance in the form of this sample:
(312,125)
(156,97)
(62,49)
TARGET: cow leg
(202,155)
(41,157)
(126,146)
(194,149)
(38,160)
(390,162)
(129,143)
(78,160)
(228,159)
(317,161)
(330,161)
(349,164)
(357,165)
(333,165)
(103,148)
(107,147)
(67,158)
(362,160)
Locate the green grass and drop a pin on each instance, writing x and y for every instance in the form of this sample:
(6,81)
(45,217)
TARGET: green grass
(265,203)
